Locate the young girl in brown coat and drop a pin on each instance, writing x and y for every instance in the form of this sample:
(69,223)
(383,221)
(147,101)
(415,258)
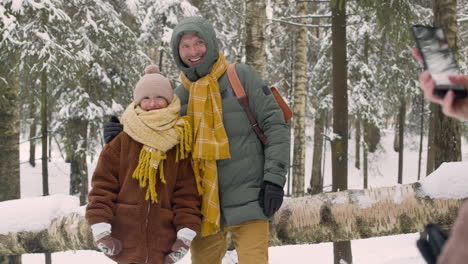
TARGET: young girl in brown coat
(144,205)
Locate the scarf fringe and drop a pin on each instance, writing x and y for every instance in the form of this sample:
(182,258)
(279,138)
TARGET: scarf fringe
(151,161)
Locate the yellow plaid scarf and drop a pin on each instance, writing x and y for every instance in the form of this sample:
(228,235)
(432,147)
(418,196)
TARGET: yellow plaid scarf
(159,131)
(210,140)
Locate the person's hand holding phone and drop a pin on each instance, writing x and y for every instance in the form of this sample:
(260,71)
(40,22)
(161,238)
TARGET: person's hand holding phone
(450,107)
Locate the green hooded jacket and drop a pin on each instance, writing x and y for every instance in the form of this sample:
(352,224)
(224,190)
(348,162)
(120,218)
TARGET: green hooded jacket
(251,163)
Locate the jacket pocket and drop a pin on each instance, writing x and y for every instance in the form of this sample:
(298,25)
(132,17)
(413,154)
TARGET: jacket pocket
(127,226)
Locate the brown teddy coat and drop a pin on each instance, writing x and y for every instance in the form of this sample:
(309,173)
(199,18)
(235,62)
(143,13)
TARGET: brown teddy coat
(146,230)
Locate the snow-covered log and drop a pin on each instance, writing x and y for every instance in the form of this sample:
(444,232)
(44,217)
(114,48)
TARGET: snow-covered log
(70,232)
(56,223)
(356,214)
(43,224)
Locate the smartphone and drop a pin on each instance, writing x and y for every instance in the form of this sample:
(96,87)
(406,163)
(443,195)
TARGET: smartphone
(438,59)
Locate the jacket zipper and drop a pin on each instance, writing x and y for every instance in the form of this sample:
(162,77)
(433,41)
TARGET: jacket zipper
(146,231)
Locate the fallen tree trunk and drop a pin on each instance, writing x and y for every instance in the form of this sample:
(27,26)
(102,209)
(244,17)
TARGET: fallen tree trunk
(69,232)
(357,214)
(347,215)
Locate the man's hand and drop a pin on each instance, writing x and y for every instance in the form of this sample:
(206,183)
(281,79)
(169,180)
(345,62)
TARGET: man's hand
(112,129)
(270,198)
(108,244)
(450,107)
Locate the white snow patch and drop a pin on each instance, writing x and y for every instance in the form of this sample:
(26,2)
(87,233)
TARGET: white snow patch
(33,214)
(398,196)
(339,200)
(449,181)
(365,201)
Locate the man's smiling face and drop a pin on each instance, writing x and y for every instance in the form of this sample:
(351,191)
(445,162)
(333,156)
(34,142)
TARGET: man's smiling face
(192,49)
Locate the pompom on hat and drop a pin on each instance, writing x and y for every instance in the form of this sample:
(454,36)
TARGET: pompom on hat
(153,83)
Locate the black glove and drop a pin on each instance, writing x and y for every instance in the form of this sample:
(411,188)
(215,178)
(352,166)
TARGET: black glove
(112,129)
(270,198)
(431,242)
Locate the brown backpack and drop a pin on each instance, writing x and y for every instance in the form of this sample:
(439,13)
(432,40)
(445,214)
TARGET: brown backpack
(244,102)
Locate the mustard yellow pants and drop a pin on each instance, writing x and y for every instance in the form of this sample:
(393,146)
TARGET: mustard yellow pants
(250,239)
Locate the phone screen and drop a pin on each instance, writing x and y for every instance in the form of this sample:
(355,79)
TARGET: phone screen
(437,56)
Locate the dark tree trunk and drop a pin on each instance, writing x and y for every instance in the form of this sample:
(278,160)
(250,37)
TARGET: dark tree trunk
(396,138)
(421,129)
(365,152)
(447,138)
(365,166)
(48,258)
(32,131)
(340,102)
(9,141)
(430,141)
(401,136)
(357,155)
(341,250)
(316,179)
(44,125)
(10,259)
(76,149)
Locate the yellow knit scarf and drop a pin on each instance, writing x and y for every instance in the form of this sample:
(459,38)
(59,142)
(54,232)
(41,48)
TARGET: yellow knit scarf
(159,131)
(210,140)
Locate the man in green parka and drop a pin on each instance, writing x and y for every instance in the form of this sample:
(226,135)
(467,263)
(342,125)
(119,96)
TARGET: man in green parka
(242,179)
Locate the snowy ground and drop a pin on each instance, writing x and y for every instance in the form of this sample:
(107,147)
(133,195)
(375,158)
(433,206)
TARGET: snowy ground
(386,250)
(383,172)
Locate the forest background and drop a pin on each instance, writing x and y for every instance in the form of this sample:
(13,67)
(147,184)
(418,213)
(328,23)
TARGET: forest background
(345,67)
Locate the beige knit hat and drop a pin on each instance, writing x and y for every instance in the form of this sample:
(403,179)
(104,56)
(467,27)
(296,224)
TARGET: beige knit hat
(153,83)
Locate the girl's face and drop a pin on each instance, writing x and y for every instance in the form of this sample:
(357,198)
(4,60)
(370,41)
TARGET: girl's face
(153,102)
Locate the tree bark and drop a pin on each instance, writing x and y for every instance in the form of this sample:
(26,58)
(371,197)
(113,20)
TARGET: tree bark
(48,258)
(316,179)
(340,101)
(32,131)
(342,250)
(401,137)
(365,143)
(255,21)
(365,166)
(421,127)
(300,101)
(44,125)
(396,138)
(447,135)
(326,217)
(430,141)
(9,138)
(357,153)
(77,139)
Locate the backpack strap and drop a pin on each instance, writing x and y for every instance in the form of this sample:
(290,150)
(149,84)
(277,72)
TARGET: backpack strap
(244,101)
